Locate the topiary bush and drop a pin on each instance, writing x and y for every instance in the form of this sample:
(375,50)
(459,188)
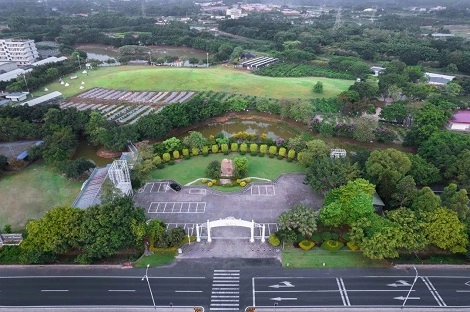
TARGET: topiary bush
(195,151)
(325,236)
(210,184)
(215,148)
(176,154)
(242,183)
(157,160)
(248,180)
(213,169)
(243,148)
(306,245)
(204,180)
(166,157)
(253,148)
(273,150)
(282,152)
(205,149)
(291,154)
(263,148)
(185,152)
(273,240)
(234,147)
(352,246)
(332,245)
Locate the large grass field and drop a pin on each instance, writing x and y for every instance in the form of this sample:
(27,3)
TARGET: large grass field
(189,170)
(314,258)
(29,193)
(217,78)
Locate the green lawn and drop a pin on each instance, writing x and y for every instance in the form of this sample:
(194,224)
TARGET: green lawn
(157,258)
(217,78)
(186,171)
(29,193)
(314,258)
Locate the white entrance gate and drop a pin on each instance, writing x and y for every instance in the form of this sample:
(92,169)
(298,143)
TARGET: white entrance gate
(230,221)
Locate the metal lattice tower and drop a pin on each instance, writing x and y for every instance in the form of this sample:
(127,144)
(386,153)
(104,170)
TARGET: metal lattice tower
(119,174)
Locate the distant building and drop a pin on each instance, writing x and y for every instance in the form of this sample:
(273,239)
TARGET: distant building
(7,66)
(22,52)
(44,99)
(258,62)
(438,79)
(17,96)
(460,121)
(441,36)
(48,60)
(235,13)
(377,70)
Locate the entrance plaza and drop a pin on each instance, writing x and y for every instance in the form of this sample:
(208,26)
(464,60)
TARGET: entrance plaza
(259,203)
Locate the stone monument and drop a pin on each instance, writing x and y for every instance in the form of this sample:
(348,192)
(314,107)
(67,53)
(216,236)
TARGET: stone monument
(226,171)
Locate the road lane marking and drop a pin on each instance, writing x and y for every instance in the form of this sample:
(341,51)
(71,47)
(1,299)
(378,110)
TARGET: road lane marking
(433,291)
(216,271)
(121,290)
(345,292)
(253,286)
(188,291)
(342,291)
(95,276)
(54,290)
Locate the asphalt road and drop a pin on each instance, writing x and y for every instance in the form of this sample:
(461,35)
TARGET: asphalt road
(232,285)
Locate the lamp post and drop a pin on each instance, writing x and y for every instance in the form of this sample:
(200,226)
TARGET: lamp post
(26,83)
(275,305)
(148,283)
(150,57)
(207,59)
(411,288)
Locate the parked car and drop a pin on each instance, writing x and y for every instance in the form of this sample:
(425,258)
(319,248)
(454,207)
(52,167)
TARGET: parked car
(175,186)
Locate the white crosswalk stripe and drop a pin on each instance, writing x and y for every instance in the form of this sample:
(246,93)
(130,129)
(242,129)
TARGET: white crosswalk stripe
(225,290)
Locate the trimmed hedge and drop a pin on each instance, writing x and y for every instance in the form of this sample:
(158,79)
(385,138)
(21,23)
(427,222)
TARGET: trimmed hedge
(176,154)
(234,147)
(306,245)
(273,240)
(282,152)
(332,245)
(352,246)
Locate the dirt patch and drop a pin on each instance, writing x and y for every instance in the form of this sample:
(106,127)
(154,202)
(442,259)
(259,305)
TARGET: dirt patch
(102,152)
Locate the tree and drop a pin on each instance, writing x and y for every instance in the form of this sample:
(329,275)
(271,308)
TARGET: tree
(59,145)
(405,192)
(325,173)
(463,169)
(425,200)
(423,172)
(456,200)
(314,149)
(364,129)
(390,159)
(213,169)
(348,203)
(444,230)
(171,144)
(57,232)
(241,166)
(411,227)
(395,112)
(195,139)
(300,218)
(74,169)
(154,229)
(111,227)
(318,87)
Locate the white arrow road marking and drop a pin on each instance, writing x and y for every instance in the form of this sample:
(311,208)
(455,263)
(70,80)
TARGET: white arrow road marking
(403,298)
(282,285)
(281,299)
(399,283)
(467,283)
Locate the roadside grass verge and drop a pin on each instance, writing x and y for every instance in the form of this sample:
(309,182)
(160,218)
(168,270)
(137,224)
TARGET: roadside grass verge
(216,79)
(30,193)
(314,258)
(157,258)
(186,171)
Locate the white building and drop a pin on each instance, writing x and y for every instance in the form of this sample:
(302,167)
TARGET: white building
(235,13)
(22,52)
(438,79)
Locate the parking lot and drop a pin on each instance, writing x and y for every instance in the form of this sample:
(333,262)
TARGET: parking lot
(262,202)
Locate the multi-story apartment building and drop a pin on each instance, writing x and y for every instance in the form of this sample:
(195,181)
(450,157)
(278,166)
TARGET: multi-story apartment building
(22,52)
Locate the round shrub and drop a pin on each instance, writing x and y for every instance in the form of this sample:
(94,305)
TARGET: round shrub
(185,152)
(157,160)
(254,147)
(316,237)
(224,148)
(306,245)
(204,180)
(243,147)
(234,147)
(325,236)
(166,157)
(214,181)
(282,151)
(273,150)
(242,183)
(195,151)
(238,181)
(171,162)
(291,154)
(215,148)
(205,150)
(263,148)
(332,245)
(176,154)
(248,180)
(352,246)
(273,240)
(210,184)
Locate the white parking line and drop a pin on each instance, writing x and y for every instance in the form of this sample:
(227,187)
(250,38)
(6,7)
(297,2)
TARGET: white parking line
(177,207)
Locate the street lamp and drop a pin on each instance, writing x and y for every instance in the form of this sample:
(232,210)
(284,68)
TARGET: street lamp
(150,57)
(411,288)
(148,283)
(207,62)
